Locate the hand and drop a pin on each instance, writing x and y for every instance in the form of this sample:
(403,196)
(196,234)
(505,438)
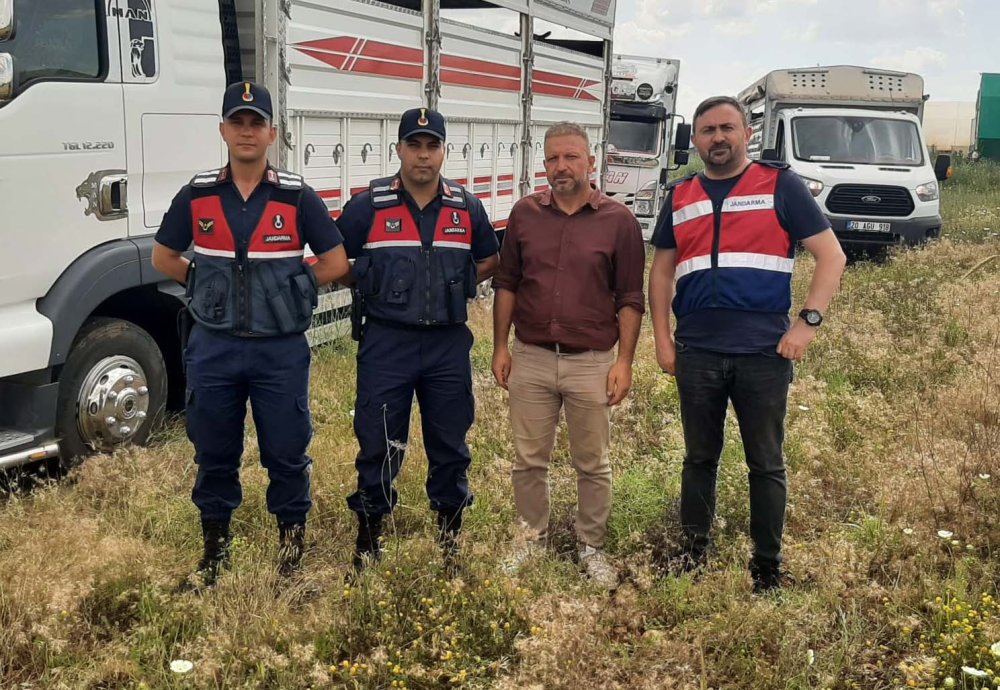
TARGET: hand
(501,365)
(794,343)
(619,381)
(666,356)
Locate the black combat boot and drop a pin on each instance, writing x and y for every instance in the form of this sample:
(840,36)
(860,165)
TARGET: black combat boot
(368,545)
(449,524)
(216,554)
(291,545)
(766,575)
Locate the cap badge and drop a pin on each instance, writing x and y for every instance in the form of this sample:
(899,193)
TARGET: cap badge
(423,121)
(247,96)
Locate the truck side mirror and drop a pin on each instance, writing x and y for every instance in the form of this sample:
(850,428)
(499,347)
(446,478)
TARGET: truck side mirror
(6,19)
(942,167)
(6,76)
(769,155)
(681,157)
(682,137)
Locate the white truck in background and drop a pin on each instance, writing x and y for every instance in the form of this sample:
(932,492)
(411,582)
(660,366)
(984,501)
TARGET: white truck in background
(107,107)
(640,143)
(854,135)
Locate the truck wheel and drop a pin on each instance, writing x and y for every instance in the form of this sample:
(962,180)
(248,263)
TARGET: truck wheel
(112,391)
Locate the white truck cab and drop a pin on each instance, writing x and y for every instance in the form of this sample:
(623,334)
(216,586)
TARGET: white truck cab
(108,107)
(854,135)
(643,105)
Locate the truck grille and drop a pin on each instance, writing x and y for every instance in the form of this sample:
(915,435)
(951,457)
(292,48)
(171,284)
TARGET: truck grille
(860,200)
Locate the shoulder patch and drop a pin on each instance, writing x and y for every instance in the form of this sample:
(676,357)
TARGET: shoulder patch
(777,165)
(208,178)
(289,180)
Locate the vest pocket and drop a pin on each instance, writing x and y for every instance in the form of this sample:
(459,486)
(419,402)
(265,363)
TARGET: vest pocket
(212,299)
(398,282)
(305,293)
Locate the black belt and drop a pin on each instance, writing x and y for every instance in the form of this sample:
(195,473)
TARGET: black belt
(410,326)
(561,349)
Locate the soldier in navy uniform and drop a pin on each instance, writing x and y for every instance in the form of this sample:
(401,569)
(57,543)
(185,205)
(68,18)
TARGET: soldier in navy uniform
(421,243)
(251,296)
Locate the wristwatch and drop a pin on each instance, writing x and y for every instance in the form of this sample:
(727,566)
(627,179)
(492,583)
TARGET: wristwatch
(812,317)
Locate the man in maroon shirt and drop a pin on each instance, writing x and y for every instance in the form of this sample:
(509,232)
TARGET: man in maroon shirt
(570,280)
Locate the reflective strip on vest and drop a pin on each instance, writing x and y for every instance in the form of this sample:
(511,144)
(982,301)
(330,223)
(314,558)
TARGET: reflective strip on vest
(764,262)
(225,253)
(381,244)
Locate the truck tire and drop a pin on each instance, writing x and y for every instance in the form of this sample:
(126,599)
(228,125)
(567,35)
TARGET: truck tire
(112,391)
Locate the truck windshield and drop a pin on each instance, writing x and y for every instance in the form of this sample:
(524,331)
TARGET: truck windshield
(634,136)
(861,140)
(55,40)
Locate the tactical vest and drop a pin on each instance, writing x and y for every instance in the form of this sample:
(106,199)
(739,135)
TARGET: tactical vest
(733,255)
(257,287)
(401,280)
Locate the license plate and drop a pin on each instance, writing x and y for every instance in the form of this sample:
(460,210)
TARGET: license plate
(868,226)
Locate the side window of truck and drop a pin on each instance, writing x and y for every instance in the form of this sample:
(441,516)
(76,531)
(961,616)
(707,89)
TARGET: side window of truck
(57,40)
(779,141)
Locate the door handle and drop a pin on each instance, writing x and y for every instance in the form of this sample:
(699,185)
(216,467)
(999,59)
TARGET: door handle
(113,196)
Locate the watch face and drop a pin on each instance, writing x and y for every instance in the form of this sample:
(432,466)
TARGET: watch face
(813,317)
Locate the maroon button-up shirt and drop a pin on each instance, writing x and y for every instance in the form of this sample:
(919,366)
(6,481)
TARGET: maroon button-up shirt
(571,274)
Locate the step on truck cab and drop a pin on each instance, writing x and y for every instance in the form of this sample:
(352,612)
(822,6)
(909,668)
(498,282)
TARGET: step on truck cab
(854,135)
(640,143)
(108,107)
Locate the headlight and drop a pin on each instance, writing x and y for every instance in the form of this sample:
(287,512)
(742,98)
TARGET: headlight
(815,187)
(927,191)
(643,207)
(648,191)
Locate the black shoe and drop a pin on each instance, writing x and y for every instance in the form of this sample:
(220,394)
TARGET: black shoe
(368,545)
(449,524)
(216,554)
(767,577)
(685,561)
(292,544)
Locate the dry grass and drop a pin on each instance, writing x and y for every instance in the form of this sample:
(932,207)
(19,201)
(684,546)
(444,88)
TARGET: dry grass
(893,438)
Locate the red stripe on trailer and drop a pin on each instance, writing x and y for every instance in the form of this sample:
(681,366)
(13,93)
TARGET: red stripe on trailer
(354,54)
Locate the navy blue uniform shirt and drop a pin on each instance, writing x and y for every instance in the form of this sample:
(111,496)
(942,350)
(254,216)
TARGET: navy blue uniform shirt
(316,227)
(729,330)
(356,221)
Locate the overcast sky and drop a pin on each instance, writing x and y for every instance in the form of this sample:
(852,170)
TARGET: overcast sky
(724,45)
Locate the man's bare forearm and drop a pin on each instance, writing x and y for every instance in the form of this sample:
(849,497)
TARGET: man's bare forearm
(629,323)
(503,315)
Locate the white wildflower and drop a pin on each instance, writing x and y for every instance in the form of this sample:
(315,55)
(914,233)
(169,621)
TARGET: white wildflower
(181,666)
(945,534)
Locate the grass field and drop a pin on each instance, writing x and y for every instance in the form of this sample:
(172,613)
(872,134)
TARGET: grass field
(892,538)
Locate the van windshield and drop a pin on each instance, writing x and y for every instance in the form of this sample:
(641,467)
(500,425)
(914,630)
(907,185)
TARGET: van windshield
(860,140)
(634,136)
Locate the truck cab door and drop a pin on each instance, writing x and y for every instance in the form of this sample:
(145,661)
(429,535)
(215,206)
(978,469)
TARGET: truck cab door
(173,78)
(62,160)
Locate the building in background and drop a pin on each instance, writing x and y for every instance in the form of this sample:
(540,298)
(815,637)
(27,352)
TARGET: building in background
(946,125)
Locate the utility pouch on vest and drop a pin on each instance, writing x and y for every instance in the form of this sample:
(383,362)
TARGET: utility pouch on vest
(214,299)
(402,275)
(305,292)
(275,298)
(357,314)
(185,322)
(457,304)
(364,276)
(471,278)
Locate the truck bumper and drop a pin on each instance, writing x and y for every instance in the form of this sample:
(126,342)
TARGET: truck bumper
(909,231)
(646,224)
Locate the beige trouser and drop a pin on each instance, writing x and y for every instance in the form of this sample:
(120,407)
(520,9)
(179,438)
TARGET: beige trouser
(540,383)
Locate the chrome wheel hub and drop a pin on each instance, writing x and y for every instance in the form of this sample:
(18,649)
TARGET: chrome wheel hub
(113,402)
